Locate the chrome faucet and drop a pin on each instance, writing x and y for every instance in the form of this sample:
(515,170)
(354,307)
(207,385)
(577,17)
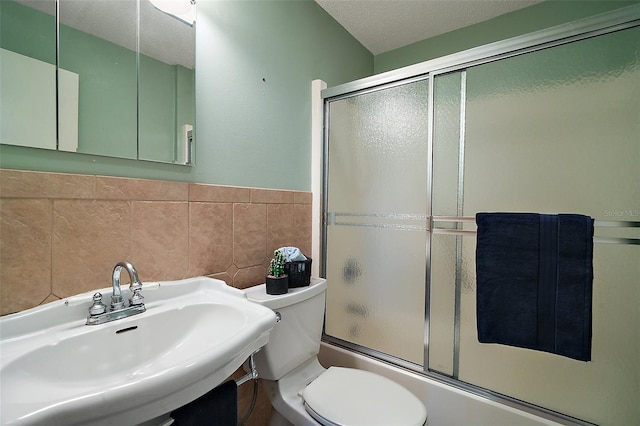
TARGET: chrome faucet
(98,311)
(117,302)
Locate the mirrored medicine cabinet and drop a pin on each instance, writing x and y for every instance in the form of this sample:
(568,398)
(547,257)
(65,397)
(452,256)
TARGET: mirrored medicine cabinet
(104,77)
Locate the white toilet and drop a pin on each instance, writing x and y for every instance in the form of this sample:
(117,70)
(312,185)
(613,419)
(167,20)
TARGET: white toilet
(305,393)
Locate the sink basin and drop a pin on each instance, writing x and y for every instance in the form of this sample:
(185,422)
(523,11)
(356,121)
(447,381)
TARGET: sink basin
(56,370)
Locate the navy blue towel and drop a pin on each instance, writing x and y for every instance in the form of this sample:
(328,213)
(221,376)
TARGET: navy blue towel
(534,281)
(218,407)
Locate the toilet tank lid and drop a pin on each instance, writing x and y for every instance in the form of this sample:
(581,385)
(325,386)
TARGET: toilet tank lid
(258,294)
(348,396)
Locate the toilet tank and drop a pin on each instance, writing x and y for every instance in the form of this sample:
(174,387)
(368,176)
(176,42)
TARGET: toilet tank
(296,338)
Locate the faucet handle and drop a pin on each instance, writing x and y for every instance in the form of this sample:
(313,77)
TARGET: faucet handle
(136,287)
(97,308)
(136,298)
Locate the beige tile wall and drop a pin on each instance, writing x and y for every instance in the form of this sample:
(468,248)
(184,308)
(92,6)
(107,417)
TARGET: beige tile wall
(62,234)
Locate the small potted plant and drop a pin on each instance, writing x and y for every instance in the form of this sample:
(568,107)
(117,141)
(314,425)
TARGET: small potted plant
(277,281)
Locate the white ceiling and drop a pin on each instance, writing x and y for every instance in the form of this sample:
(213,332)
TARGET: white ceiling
(383,25)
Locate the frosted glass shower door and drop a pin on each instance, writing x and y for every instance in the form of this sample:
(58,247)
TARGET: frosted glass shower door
(558,131)
(376,220)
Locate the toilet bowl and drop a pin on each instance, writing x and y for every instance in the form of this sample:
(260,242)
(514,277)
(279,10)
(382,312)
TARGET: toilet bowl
(302,391)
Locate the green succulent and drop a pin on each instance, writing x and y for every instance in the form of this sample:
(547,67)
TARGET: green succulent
(276,266)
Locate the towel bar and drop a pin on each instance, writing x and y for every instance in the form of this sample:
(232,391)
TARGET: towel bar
(415,222)
(596,239)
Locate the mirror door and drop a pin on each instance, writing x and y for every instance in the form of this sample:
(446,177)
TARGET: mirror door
(125,81)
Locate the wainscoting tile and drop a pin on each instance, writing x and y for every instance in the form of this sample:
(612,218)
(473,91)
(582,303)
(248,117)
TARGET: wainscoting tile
(27,184)
(248,277)
(249,234)
(116,188)
(89,238)
(303,222)
(25,253)
(50,298)
(218,193)
(303,197)
(281,227)
(62,234)
(210,238)
(272,196)
(160,239)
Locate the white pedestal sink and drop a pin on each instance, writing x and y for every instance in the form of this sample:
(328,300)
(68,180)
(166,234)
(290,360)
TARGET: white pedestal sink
(56,370)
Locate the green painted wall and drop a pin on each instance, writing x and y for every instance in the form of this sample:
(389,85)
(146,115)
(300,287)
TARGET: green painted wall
(537,17)
(255,63)
(256,60)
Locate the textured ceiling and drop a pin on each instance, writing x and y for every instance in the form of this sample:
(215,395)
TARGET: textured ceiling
(383,25)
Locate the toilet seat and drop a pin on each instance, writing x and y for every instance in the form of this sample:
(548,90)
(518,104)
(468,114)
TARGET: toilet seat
(347,396)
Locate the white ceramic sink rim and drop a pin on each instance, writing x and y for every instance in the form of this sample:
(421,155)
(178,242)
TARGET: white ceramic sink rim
(182,371)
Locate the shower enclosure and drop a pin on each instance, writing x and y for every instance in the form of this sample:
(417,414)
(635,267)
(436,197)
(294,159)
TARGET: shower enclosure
(546,123)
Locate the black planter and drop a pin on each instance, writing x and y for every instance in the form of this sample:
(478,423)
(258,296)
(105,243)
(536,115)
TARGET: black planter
(277,285)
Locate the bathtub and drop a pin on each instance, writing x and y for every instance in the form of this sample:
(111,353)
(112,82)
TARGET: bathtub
(446,405)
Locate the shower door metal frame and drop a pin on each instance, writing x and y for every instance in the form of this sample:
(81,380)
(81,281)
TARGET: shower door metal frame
(330,218)
(605,23)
